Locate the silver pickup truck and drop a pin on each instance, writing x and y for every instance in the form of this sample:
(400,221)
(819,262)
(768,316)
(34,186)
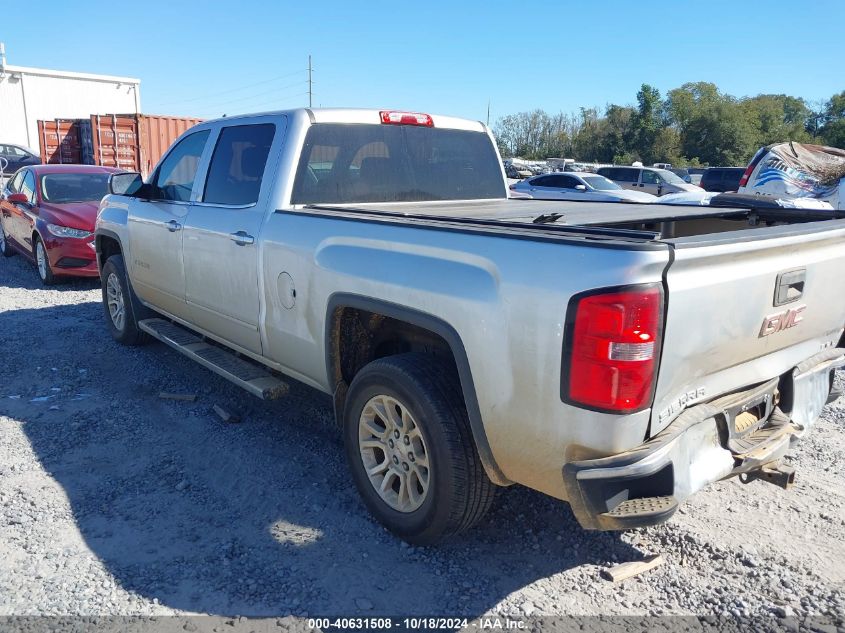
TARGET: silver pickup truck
(616,356)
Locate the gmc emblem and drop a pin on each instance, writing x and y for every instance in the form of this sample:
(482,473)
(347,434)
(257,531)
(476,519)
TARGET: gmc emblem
(782,321)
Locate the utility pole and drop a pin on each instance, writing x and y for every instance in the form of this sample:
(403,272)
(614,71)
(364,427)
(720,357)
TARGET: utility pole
(488,112)
(310,84)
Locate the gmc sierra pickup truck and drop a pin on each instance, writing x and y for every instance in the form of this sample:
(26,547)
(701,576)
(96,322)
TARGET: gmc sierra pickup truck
(619,357)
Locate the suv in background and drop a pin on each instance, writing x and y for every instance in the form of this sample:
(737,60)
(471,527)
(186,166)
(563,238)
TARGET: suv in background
(721,178)
(657,182)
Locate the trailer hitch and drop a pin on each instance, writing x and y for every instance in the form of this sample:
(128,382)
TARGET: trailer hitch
(782,476)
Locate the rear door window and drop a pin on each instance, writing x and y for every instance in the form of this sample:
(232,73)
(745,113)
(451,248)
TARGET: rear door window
(543,181)
(626,174)
(237,165)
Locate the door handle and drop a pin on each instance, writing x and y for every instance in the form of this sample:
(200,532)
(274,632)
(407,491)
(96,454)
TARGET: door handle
(241,238)
(173,226)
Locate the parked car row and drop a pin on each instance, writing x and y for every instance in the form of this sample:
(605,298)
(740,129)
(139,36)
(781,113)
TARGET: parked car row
(659,180)
(578,186)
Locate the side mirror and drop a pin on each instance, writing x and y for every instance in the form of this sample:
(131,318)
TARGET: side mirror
(18,198)
(580,187)
(126,184)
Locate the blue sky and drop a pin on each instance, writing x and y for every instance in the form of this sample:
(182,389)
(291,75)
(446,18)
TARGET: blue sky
(205,59)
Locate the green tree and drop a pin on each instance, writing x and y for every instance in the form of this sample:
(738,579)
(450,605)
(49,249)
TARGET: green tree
(667,146)
(776,118)
(833,132)
(646,121)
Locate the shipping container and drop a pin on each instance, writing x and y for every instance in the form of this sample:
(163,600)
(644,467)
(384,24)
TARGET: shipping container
(135,142)
(66,141)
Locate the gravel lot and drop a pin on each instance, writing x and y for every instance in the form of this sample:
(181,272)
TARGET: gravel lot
(113,501)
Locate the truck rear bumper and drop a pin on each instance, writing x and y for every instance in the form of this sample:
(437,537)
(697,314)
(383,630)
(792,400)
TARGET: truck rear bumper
(739,433)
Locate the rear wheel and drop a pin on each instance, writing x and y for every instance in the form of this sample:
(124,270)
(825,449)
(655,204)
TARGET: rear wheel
(410,449)
(45,272)
(5,248)
(122,308)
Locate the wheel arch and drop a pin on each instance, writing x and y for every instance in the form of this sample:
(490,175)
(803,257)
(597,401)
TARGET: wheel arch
(108,243)
(424,325)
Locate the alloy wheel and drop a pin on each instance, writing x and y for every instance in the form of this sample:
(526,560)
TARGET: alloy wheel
(41,259)
(114,300)
(393,453)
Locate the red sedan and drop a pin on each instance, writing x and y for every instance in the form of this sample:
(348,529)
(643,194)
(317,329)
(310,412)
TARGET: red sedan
(47,214)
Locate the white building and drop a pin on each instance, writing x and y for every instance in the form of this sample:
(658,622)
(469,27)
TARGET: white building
(30,94)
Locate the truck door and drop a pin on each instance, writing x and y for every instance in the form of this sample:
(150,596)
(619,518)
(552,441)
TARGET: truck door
(221,235)
(156,224)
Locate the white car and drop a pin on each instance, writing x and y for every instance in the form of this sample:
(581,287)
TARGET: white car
(578,186)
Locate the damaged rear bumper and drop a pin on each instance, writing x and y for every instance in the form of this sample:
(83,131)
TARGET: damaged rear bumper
(743,433)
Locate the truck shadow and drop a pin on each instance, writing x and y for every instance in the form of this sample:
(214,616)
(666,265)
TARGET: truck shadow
(256,518)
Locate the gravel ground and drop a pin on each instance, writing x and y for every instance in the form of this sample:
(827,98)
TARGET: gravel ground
(115,502)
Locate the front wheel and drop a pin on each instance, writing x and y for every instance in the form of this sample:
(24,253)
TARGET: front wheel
(45,272)
(122,308)
(410,449)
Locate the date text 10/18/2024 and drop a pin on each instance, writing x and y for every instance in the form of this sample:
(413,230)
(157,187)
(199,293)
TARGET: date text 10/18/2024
(421,623)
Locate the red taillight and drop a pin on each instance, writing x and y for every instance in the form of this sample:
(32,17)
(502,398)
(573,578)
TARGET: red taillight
(746,175)
(612,349)
(406,118)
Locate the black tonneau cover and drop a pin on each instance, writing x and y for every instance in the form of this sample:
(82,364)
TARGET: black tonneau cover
(517,210)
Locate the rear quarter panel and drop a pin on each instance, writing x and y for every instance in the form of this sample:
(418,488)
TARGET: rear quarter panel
(505,297)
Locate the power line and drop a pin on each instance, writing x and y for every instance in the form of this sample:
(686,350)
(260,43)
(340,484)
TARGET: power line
(256,107)
(256,95)
(231,90)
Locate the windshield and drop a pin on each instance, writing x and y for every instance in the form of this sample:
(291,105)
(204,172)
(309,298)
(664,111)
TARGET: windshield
(60,188)
(600,183)
(344,163)
(668,176)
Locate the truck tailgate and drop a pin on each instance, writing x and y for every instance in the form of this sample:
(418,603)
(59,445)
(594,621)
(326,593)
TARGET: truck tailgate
(745,307)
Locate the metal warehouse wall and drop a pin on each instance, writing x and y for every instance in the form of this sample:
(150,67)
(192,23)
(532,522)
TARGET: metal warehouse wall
(30,94)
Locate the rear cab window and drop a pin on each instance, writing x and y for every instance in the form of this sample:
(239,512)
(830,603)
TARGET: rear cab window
(346,163)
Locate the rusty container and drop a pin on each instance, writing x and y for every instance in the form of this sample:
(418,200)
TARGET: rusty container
(135,142)
(65,141)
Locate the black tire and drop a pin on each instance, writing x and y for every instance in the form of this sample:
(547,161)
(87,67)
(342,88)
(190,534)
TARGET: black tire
(127,332)
(5,249)
(459,492)
(46,274)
